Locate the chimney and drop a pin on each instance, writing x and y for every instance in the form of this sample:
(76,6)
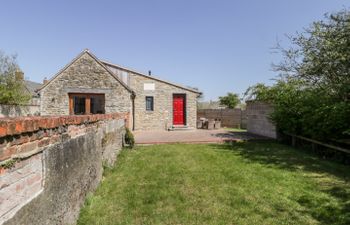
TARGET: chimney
(149,73)
(19,75)
(45,81)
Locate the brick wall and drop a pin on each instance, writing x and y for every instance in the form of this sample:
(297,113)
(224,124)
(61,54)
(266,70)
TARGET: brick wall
(258,121)
(19,185)
(49,164)
(229,117)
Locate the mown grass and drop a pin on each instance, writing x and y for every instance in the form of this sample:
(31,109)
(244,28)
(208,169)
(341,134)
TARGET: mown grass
(243,183)
(235,129)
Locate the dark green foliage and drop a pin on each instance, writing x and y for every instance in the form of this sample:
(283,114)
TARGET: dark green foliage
(12,89)
(231,100)
(312,96)
(129,138)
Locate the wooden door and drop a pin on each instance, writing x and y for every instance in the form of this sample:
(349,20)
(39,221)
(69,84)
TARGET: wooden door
(179,110)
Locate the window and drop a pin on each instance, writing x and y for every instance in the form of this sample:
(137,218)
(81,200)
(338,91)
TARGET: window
(149,103)
(97,103)
(80,104)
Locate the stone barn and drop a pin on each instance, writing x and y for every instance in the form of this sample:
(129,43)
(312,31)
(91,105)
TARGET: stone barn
(88,85)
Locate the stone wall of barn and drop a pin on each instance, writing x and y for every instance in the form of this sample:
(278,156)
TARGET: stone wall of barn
(161,118)
(85,75)
(49,164)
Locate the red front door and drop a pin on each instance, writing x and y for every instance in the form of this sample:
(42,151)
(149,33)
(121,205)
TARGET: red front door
(179,110)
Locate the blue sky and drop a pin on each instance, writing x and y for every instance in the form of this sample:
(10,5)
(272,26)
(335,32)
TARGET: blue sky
(217,46)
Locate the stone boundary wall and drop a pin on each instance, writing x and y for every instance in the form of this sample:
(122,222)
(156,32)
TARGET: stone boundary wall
(49,164)
(229,117)
(19,110)
(258,119)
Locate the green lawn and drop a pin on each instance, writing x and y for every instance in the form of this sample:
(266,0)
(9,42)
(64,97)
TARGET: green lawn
(235,129)
(247,183)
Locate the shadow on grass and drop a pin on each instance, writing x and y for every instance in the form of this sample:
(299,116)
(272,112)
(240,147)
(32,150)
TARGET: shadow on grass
(284,157)
(242,135)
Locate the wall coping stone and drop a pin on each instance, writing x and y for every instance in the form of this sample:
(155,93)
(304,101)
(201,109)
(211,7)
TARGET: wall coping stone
(19,125)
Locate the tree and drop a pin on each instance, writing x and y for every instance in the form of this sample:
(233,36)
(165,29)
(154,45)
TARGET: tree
(320,56)
(231,100)
(12,87)
(311,96)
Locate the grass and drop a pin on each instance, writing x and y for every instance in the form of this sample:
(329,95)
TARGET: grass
(243,183)
(235,129)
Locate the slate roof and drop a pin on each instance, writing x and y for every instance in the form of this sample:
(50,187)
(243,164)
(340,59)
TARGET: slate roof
(32,87)
(150,77)
(105,65)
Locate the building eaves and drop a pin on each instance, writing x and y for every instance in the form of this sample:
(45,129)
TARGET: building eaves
(150,77)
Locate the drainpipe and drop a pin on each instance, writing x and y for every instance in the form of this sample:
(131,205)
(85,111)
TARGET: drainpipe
(133,110)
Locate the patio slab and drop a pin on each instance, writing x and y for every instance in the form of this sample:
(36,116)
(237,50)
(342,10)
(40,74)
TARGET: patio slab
(191,136)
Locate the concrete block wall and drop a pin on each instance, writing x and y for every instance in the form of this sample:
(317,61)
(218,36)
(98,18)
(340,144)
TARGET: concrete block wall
(229,117)
(258,119)
(49,164)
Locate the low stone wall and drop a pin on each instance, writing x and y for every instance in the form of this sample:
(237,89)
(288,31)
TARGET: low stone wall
(229,117)
(19,110)
(49,164)
(258,121)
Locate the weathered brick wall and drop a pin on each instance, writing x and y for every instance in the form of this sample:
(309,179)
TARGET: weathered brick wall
(229,117)
(85,75)
(49,164)
(258,119)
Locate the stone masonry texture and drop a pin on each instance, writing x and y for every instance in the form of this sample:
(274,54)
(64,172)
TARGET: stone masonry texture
(19,110)
(85,75)
(161,118)
(56,161)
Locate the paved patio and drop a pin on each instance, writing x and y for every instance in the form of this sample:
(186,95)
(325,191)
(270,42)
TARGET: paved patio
(191,136)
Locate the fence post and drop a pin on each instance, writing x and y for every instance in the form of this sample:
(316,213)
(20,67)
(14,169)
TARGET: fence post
(313,146)
(240,122)
(293,141)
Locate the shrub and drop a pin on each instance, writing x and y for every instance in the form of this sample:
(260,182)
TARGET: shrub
(129,138)
(311,97)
